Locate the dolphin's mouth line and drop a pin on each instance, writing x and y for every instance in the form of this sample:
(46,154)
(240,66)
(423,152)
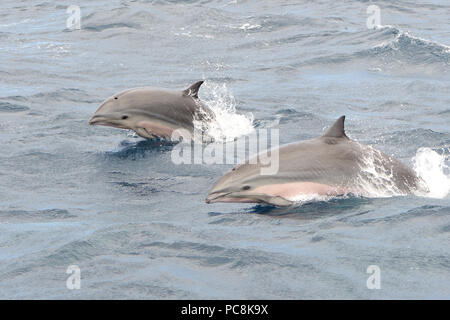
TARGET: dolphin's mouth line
(230,197)
(248,198)
(98,121)
(215,197)
(244,197)
(107,124)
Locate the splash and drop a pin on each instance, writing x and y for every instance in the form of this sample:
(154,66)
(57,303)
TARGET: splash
(227,124)
(375,179)
(431,167)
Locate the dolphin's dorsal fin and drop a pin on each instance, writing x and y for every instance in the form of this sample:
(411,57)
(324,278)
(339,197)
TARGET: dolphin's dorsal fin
(337,129)
(193,90)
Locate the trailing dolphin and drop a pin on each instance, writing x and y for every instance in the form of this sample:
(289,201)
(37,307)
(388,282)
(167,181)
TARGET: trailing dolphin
(153,112)
(329,165)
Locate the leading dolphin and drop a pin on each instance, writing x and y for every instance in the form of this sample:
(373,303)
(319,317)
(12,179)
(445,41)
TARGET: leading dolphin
(329,165)
(153,112)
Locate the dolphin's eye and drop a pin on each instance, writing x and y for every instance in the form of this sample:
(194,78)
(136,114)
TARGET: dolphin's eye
(116,98)
(245,187)
(124,117)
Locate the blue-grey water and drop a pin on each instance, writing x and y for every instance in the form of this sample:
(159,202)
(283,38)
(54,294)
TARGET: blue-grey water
(137,225)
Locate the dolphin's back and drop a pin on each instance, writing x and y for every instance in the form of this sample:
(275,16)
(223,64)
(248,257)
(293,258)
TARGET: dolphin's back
(333,163)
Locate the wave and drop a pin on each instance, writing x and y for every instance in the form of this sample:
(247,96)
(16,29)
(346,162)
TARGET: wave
(101,27)
(397,50)
(61,94)
(10,107)
(124,18)
(410,48)
(37,215)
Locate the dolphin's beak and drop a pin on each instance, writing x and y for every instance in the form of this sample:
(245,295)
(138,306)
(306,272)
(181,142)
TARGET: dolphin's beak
(106,121)
(216,197)
(235,197)
(95,120)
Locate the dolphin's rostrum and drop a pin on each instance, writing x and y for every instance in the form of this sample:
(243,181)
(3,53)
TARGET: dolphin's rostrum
(329,165)
(153,112)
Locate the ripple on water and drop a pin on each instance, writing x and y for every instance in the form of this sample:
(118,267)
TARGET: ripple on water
(10,107)
(36,215)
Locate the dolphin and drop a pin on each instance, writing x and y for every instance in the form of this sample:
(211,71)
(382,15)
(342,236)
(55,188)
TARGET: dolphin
(330,165)
(152,112)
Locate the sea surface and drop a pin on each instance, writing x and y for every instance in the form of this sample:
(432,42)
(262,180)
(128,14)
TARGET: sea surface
(136,225)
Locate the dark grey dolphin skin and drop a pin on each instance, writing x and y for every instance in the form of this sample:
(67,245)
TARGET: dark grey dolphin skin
(331,164)
(153,112)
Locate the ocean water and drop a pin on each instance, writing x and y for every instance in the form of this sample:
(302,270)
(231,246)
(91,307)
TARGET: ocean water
(137,226)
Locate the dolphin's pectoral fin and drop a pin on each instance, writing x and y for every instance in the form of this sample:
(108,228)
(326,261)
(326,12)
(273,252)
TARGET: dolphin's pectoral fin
(269,199)
(193,90)
(153,129)
(144,133)
(277,201)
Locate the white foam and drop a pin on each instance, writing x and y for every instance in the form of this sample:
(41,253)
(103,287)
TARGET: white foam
(376,180)
(227,123)
(302,198)
(248,26)
(431,167)
(132,134)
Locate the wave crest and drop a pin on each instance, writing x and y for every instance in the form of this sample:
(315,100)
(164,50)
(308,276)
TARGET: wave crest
(414,48)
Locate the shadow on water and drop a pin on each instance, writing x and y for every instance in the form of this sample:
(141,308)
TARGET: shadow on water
(338,207)
(314,209)
(141,148)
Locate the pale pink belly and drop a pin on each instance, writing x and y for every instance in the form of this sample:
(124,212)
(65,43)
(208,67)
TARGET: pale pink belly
(295,189)
(238,200)
(290,191)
